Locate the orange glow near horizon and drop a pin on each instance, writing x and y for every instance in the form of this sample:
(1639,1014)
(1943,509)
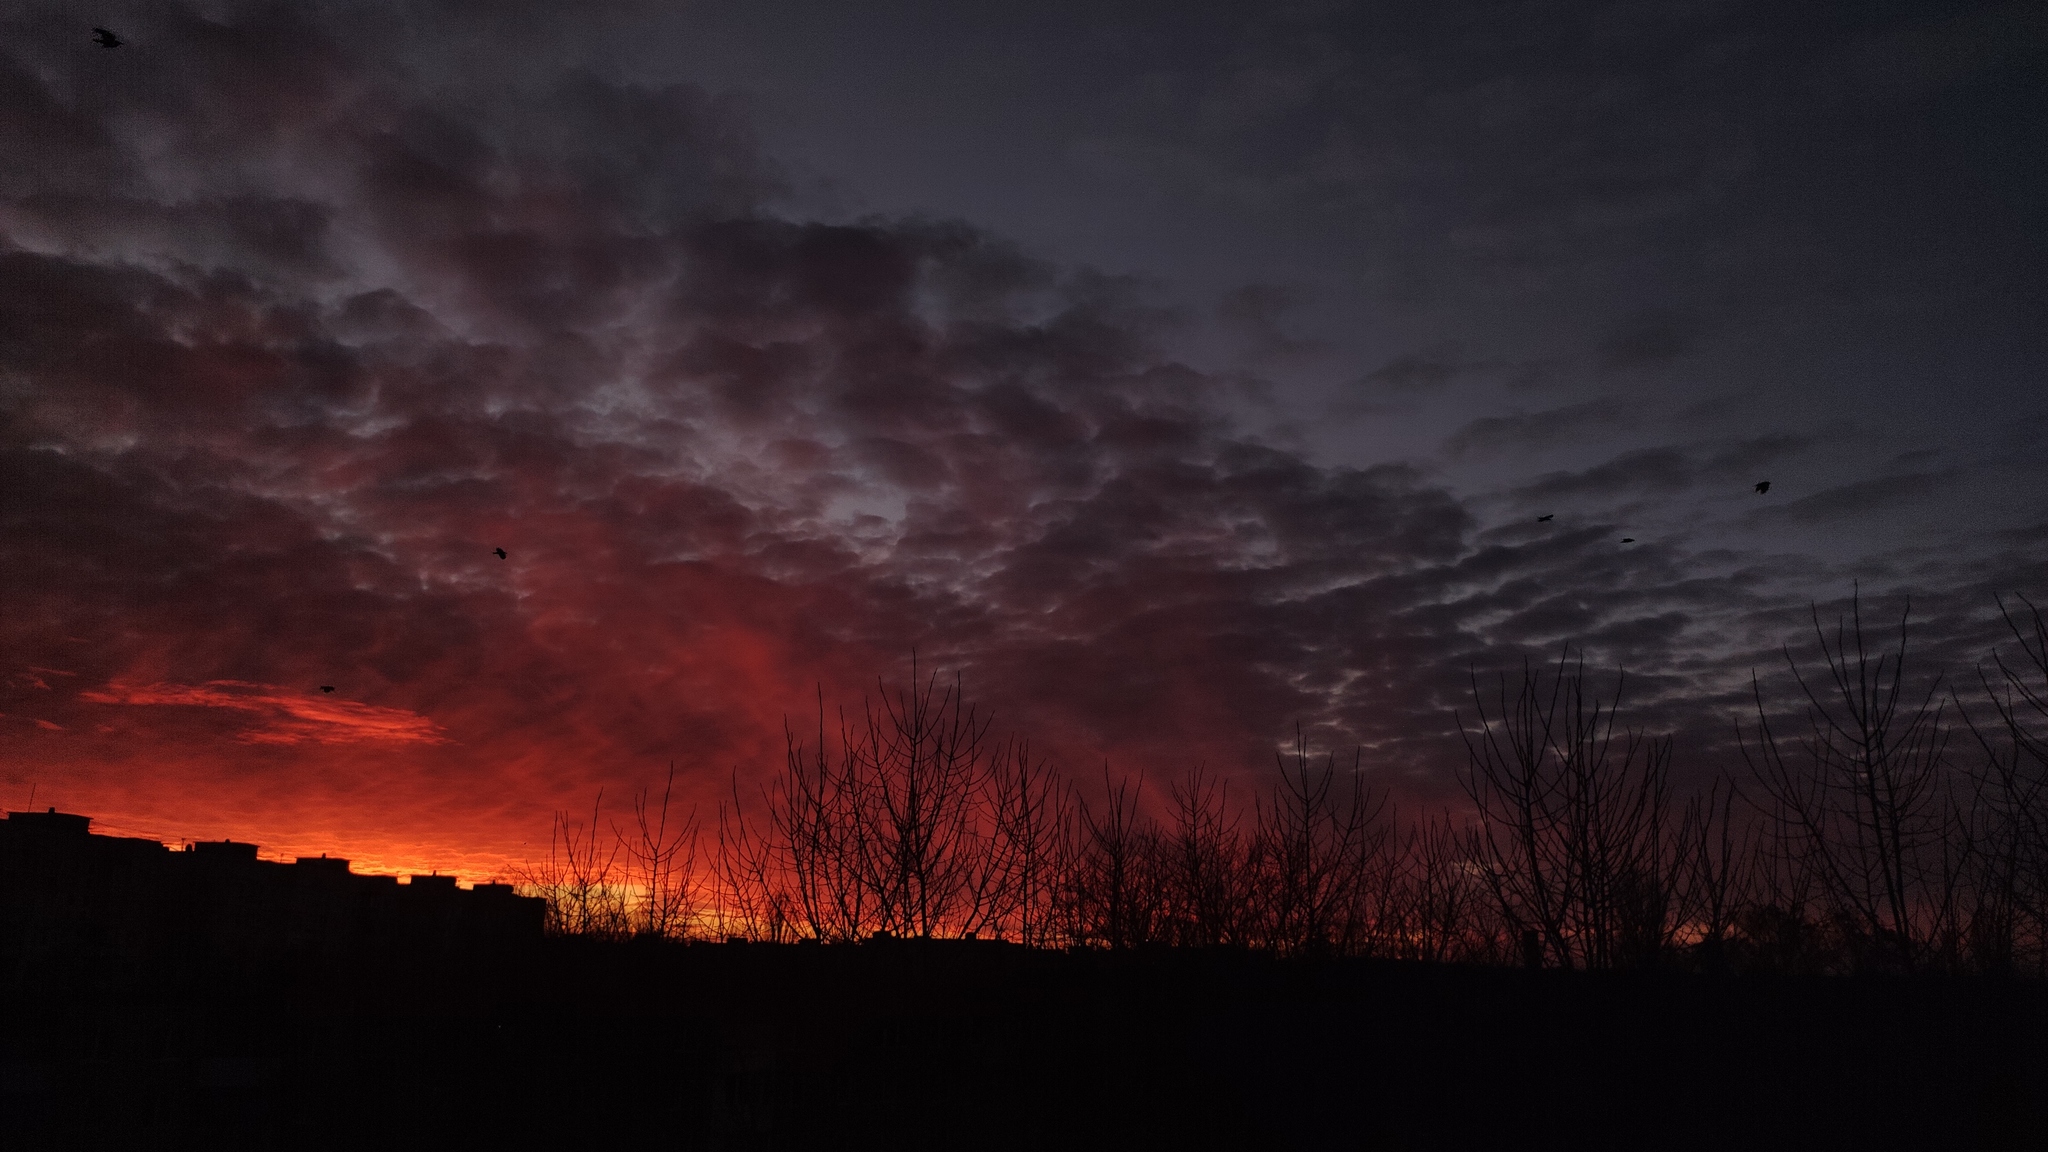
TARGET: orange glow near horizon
(281,716)
(557,472)
(459,765)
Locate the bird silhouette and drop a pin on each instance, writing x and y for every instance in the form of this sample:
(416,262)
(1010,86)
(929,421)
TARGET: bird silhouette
(1542,519)
(327,687)
(1628,539)
(500,552)
(105,39)
(1763,486)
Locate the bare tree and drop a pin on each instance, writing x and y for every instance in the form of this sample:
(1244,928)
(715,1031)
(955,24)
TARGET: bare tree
(2008,920)
(581,879)
(1439,911)
(662,849)
(1861,797)
(1113,890)
(821,836)
(1713,871)
(931,862)
(1206,866)
(920,826)
(1317,848)
(751,900)
(1572,841)
(1033,817)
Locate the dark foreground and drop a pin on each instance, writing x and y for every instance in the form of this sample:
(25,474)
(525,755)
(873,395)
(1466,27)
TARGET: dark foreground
(964,1045)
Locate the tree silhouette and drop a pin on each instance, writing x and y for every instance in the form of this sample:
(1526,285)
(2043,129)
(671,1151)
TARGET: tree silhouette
(1860,843)
(1860,797)
(1572,841)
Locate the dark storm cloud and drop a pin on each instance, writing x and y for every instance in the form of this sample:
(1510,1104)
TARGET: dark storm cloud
(293,337)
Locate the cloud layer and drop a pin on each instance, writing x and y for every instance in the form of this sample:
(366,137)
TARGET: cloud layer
(292,337)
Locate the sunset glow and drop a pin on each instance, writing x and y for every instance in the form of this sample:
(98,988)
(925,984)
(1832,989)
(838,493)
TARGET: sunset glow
(304,315)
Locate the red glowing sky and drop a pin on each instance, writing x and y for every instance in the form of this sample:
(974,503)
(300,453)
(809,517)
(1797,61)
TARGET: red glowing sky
(292,336)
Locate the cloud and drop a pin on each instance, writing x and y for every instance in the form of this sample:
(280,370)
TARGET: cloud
(1861,498)
(1416,372)
(1664,470)
(1647,340)
(1257,313)
(1659,470)
(368,322)
(1523,430)
(277,715)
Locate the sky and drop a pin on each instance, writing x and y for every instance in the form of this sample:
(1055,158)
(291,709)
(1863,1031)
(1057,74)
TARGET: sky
(1173,375)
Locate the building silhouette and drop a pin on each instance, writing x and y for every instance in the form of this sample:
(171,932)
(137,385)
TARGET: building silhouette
(130,904)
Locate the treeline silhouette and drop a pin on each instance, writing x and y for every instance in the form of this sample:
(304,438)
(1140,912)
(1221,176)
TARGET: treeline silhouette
(1882,818)
(1209,968)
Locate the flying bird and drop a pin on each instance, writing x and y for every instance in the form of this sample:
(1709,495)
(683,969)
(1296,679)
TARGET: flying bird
(1628,539)
(1763,486)
(1541,519)
(327,687)
(105,39)
(500,552)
